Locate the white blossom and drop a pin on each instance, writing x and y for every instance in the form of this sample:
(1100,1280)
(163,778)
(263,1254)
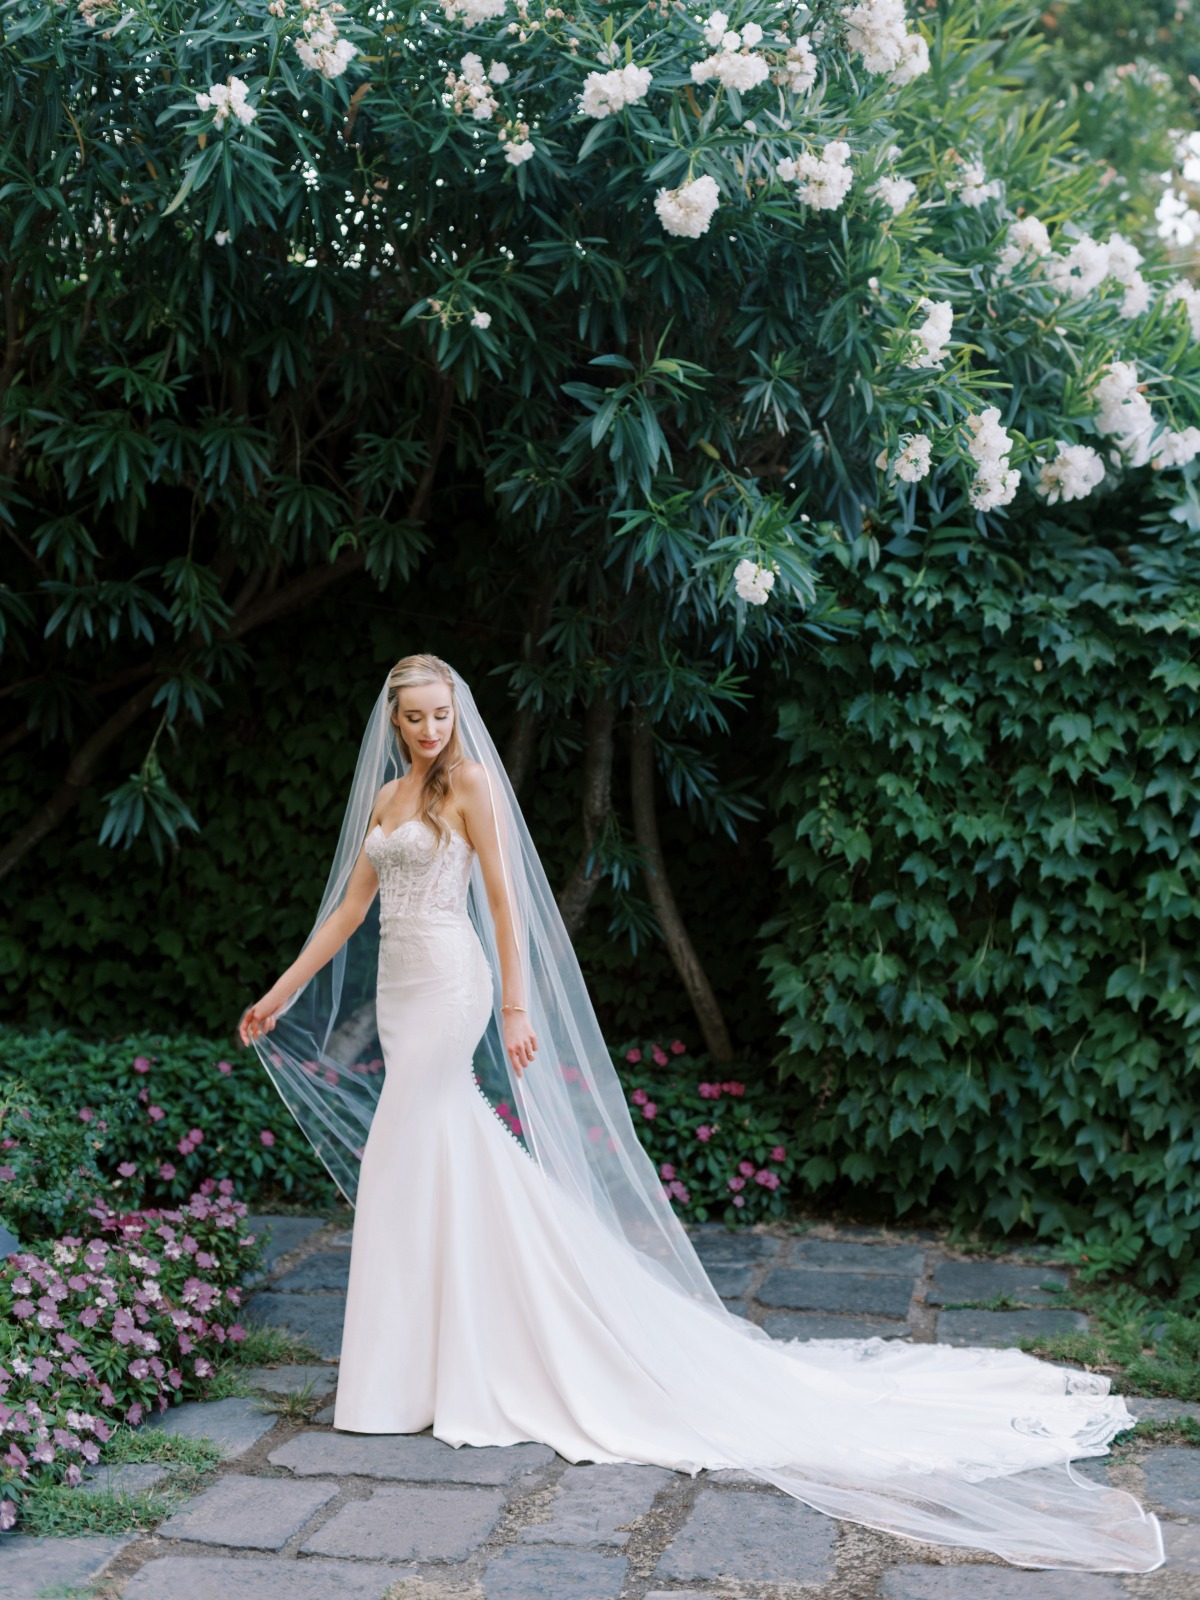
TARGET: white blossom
(221,236)
(517,153)
(996,482)
(228,99)
(1076,470)
(1123,412)
(321,49)
(752,35)
(894,192)
(876,31)
(913,63)
(481,319)
(277,7)
(1173,449)
(715,29)
(471,92)
(1027,240)
(799,71)
(973,186)
(1189,294)
(1124,261)
(687,211)
(499,72)
(473,11)
(933,333)
(752,582)
(914,461)
(733,69)
(1082,269)
(607,92)
(823,181)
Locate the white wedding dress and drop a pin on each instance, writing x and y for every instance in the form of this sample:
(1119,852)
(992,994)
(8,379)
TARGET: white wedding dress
(486,1304)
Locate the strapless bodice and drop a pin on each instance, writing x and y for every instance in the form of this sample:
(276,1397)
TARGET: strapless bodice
(420,880)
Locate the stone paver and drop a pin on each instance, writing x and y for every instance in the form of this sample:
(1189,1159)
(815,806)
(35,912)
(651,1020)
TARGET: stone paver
(409,1524)
(286,1234)
(723,1245)
(328,1270)
(1173,1480)
(235,1578)
(760,1538)
(995,1583)
(816,1325)
(1006,1328)
(315,1317)
(836,1255)
(30,1567)
(415,1458)
(234,1425)
(812,1289)
(957,1281)
(593,1504)
(1181,1541)
(131,1477)
(728,1279)
(8,1242)
(249,1513)
(553,1575)
(290,1380)
(1156,1410)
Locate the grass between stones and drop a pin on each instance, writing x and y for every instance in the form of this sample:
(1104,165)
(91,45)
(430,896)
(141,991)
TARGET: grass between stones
(265,1346)
(54,1509)
(1148,1349)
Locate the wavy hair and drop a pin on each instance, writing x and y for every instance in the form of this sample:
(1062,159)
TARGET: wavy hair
(408,673)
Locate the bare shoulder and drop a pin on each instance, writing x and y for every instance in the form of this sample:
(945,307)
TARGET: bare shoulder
(384,795)
(470,780)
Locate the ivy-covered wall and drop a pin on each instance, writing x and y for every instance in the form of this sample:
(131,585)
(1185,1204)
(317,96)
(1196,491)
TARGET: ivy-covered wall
(988,969)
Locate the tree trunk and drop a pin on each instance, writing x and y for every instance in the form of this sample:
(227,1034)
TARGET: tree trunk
(595,805)
(518,753)
(679,946)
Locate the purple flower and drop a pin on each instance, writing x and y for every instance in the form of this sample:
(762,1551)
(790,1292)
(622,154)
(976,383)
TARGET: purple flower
(7,1174)
(267,1137)
(633,1056)
(23,1309)
(166,1172)
(650,1109)
(639,1097)
(155,1113)
(704,1133)
(8,1515)
(224,1068)
(737,1183)
(141,1064)
(127,1169)
(86,1113)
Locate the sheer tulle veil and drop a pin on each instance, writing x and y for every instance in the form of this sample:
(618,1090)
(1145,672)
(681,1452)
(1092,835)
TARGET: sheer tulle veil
(850,1429)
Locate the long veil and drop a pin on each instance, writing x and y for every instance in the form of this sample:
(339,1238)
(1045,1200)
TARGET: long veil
(922,1441)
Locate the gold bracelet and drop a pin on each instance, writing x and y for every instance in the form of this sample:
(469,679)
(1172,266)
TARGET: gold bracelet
(512,1008)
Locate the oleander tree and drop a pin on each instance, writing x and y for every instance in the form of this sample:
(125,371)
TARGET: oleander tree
(690,298)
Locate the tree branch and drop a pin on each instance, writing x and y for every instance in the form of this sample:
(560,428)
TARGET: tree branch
(595,805)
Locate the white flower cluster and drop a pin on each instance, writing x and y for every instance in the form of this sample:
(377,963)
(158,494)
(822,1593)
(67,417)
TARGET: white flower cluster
(1124,414)
(799,70)
(996,482)
(687,211)
(1027,240)
(823,180)
(473,11)
(1190,295)
(734,64)
(605,93)
(895,193)
(877,30)
(322,49)
(1087,264)
(1076,470)
(473,90)
(481,319)
(752,582)
(973,188)
(933,335)
(914,461)
(226,100)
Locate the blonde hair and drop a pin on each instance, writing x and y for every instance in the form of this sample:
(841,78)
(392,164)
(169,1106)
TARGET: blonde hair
(408,673)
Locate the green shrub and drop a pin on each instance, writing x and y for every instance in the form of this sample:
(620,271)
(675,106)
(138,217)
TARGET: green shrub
(49,1162)
(988,974)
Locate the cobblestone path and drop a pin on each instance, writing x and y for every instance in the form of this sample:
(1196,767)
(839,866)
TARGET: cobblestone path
(299,1512)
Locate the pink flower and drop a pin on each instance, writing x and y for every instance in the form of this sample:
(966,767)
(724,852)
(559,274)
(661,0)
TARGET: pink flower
(127,1169)
(185,1146)
(570,1074)
(166,1172)
(331,1076)
(734,1088)
(779,1153)
(704,1133)
(666,1170)
(633,1055)
(196,1136)
(7,1174)
(155,1113)
(267,1137)
(737,1183)
(141,1064)
(677,1047)
(203,1368)
(746,1168)
(769,1180)
(515,1124)
(639,1097)
(739,1199)
(650,1110)
(660,1057)
(224,1068)
(225,1186)
(86,1113)
(710,1091)
(8,1515)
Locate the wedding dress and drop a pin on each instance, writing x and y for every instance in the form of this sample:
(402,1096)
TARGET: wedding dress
(493,1305)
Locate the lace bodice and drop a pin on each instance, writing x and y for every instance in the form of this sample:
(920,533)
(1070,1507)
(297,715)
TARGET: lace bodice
(419,880)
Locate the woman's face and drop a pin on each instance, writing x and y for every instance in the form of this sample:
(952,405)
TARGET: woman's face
(425,716)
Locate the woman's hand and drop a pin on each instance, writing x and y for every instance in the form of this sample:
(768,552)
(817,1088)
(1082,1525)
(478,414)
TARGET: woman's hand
(520,1041)
(258,1019)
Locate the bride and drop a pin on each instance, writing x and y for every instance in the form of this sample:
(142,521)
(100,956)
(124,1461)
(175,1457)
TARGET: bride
(525,1278)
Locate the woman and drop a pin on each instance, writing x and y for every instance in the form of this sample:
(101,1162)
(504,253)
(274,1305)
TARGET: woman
(530,1281)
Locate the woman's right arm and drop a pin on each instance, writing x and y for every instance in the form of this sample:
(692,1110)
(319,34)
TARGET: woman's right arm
(322,947)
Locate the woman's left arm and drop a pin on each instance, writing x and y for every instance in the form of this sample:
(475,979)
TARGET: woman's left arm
(485,829)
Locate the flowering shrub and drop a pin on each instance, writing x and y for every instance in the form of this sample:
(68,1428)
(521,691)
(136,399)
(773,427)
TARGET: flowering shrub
(109,1324)
(720,1147)
(49,1162)
(177,1110)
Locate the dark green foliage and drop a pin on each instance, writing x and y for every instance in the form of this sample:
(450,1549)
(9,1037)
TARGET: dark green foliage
(49,1162)
(988,976)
